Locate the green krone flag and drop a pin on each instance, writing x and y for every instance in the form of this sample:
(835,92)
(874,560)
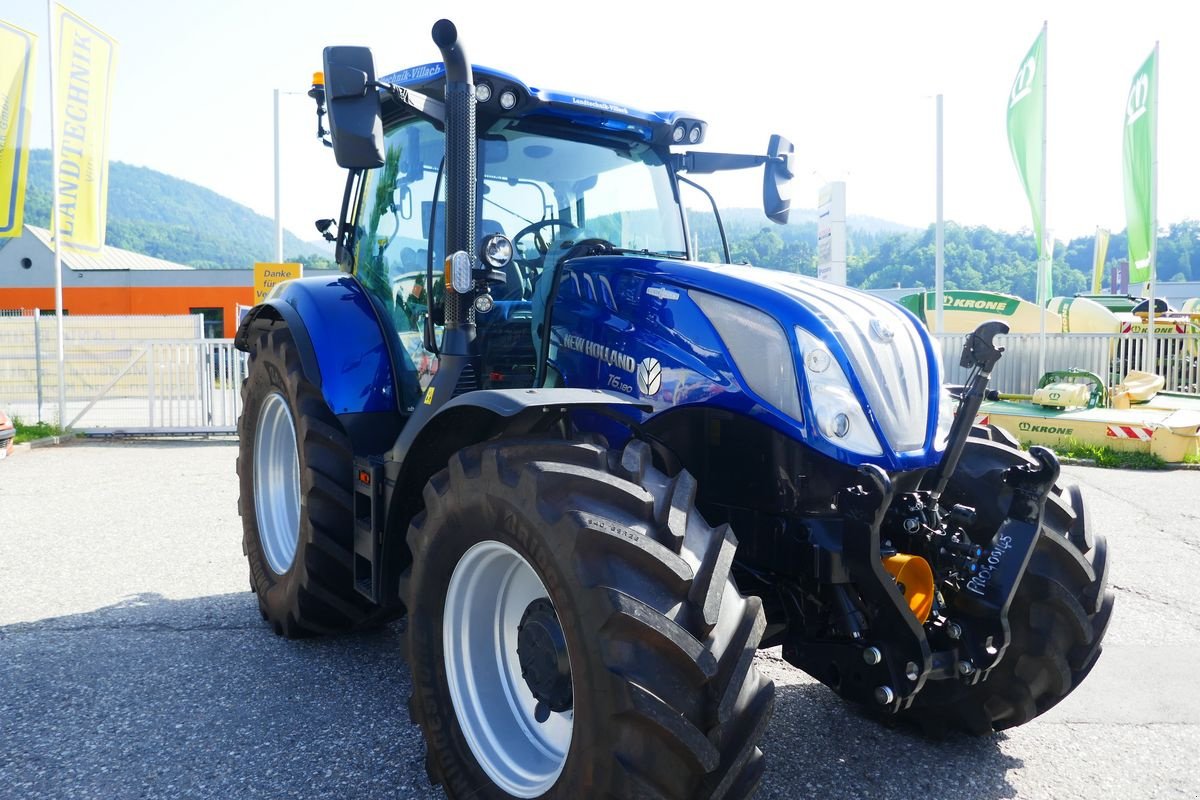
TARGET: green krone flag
(1027,128)
(1141,123)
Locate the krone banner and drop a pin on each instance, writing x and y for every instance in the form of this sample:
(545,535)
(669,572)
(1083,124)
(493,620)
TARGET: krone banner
(1027,129)
(17,53)
(1141,123)
(84,72)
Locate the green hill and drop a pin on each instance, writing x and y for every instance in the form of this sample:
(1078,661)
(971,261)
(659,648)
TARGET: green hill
(884,255)
(165,217)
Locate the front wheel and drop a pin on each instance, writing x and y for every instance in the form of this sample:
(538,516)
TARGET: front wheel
(1058,616)
(574,631)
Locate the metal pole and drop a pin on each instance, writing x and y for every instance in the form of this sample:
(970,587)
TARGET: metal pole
(1043,260)
(278,216)
(37,357)
(940,249)
(1151,354)
(56,222)
(151,392)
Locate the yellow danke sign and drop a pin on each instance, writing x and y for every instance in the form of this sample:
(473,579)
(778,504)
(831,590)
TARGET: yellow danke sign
(267,276)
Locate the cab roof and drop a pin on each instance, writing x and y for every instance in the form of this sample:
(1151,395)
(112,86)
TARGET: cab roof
(655,127)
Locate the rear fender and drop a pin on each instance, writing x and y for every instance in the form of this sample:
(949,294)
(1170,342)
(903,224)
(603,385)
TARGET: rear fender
(343,347)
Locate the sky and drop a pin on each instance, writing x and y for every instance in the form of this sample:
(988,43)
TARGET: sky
(851,84)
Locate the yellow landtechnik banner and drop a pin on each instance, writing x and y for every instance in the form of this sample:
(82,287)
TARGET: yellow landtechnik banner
(17,57)
(266,276)
(87,58)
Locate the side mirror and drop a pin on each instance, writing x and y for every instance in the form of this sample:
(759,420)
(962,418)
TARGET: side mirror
(777,190)
(323,226)
(355,119)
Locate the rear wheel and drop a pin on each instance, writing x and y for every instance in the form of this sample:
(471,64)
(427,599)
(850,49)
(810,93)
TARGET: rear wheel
(574,630)
(295,467)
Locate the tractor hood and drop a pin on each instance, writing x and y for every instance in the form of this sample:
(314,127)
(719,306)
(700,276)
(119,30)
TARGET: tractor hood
(889,376)
(881,347)
(858,375)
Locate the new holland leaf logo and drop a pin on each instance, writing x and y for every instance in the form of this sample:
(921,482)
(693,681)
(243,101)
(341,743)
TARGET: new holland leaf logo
(649,376)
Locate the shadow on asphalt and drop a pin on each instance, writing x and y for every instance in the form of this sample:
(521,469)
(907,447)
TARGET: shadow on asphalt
(819,746)
(155,697)
(165,698)
(123,440)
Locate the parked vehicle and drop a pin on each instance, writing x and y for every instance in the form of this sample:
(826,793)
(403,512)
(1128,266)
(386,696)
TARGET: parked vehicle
(8,433)
(685,461)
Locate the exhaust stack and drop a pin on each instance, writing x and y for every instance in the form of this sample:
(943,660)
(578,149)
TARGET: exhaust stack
(460,173)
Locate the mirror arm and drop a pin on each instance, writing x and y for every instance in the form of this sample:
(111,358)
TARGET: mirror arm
(317,93)
(343,246)
(716,214)
(708,163)
(427,107)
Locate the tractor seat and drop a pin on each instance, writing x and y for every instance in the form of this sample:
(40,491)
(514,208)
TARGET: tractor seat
(1063,395)
(1142,386)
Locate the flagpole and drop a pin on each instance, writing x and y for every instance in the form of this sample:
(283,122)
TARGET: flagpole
(56,222)
(940,236)
(1095,256)
(1151,355)
(1043,262)
(278,216)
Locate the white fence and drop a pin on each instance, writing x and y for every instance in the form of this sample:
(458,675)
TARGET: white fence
(1110,356)
(167,386)
(169,380)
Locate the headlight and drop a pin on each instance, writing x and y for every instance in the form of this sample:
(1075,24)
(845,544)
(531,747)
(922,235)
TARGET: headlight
(947,404)
(759,349)
(495,250)
(840,417)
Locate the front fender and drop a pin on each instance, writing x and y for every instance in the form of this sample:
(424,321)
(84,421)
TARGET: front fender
(466,420)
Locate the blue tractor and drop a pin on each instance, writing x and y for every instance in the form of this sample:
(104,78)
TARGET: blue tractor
(529,421)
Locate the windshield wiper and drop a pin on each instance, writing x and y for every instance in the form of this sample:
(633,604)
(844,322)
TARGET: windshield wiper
(625,251)
(600,247)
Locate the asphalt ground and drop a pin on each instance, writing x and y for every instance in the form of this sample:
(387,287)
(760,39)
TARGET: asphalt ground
(133,662)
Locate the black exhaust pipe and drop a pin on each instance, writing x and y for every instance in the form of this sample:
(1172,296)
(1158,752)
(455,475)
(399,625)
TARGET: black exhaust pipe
(460,176)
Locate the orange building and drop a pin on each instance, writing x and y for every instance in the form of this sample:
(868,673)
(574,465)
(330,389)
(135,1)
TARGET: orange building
(116,281)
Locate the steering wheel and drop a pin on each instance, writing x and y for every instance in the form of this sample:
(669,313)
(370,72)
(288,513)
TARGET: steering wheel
(594,246)
(539,242)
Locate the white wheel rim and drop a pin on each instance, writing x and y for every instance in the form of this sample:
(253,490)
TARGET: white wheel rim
(277,483)
(490,589)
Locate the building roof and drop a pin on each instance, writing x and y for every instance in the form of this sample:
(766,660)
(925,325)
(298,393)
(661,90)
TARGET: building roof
(109,258)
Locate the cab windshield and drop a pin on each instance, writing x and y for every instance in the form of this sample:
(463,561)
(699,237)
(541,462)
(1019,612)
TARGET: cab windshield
(541,190)
(545,193)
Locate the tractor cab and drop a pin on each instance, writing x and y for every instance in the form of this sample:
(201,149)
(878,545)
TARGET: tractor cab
(553,170)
